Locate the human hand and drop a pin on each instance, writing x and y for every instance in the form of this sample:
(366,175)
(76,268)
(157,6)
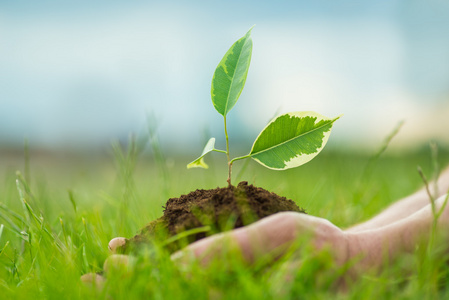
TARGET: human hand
(272,235)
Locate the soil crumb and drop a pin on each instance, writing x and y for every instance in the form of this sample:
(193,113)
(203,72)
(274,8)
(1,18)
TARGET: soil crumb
(209,212)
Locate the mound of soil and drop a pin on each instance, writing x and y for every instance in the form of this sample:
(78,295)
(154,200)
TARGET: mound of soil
(219,209)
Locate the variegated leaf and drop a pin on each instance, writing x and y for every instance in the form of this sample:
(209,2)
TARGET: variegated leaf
(291,140)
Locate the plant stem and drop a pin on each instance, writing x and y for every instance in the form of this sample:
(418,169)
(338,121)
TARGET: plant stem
(239,158)
(227,153)
(218,150)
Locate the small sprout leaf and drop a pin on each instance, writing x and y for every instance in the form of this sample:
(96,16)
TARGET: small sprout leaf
(199,162)
(230,75)
(291,140)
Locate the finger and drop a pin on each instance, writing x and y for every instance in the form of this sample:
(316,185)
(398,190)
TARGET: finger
(266,236)
(116,243)
(117,263)
(93,280)
(210,248)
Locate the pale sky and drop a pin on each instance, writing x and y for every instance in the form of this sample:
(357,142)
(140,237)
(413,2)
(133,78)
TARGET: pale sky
(83,74)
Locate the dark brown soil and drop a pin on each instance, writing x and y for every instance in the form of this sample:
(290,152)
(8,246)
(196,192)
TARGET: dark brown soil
(220,209)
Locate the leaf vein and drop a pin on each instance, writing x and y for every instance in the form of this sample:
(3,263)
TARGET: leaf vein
(294,138)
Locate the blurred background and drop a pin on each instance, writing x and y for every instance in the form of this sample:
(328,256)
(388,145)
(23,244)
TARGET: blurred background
(77,75)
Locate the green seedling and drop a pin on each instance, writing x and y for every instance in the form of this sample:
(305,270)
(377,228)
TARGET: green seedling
(288,141)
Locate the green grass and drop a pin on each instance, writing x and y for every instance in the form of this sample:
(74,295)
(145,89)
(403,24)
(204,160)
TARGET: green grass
(57,224)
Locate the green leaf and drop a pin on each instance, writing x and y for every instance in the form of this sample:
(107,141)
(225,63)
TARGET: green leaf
(291,140)
(230,74)
(199,162)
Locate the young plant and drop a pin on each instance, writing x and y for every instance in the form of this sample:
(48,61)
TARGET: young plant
(288,141)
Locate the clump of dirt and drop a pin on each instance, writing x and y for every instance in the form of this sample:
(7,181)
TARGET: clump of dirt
(210,211)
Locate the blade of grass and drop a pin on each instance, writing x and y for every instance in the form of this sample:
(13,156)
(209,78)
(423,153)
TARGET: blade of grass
(126,162)
(25,185)
(369,167)
(159,157)
(26,155)
(85,261)
(22,200)
(441,210)
(39,221)
(429,266)
(14,227)
(63,231)
(185,234)
(436,214)
(12,213)
(4,247)
(435,167)
(72,199)
(429,194)
(86,230)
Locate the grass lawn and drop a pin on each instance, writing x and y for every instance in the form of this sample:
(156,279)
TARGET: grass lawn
(58,214)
